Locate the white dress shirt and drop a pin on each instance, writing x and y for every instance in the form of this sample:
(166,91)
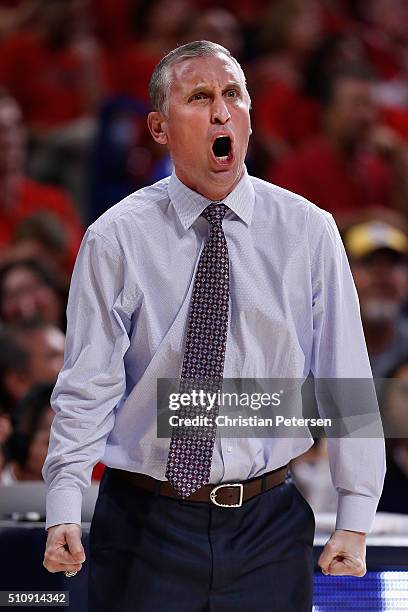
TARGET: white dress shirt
(293,310)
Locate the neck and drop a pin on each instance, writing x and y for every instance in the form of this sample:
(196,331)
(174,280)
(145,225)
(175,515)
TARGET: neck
(212,192)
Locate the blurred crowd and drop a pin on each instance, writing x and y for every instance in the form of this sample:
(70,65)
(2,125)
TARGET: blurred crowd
(329,86)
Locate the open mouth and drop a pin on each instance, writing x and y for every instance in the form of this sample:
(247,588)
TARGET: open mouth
(222,148)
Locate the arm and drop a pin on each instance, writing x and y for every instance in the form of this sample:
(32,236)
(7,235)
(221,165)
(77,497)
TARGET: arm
(92,379)
(91,382)
(357,465)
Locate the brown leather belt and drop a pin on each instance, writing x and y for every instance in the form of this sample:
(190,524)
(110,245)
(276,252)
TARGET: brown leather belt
(228,495)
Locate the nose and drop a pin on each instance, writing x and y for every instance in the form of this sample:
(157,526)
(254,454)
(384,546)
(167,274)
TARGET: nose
(219,111)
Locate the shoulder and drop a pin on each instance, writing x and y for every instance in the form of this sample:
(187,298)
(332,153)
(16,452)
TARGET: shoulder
(289,203)
(293,215)
(133,214)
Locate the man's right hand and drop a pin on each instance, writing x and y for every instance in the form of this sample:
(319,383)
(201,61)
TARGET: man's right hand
(64,550)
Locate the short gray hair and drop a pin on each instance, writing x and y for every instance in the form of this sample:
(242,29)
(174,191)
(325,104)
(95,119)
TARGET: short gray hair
(160,82)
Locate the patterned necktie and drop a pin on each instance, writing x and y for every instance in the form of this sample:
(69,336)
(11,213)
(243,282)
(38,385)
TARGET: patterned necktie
(189,460)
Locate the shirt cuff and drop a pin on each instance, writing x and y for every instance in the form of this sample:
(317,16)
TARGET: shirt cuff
(356,512)
(63,506)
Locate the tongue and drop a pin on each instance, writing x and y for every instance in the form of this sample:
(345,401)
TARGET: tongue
(222,146)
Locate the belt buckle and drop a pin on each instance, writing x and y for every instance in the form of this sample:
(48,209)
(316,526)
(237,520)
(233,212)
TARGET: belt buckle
(213,494)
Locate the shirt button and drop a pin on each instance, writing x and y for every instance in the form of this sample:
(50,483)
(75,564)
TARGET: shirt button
(229,449)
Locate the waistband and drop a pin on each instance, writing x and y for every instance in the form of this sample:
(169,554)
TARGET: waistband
(228,494)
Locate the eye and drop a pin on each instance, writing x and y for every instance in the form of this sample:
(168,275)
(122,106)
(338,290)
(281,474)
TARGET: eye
(232,93)
(198,96)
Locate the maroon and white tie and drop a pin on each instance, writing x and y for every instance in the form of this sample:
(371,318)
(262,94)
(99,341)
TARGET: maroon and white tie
(189,460)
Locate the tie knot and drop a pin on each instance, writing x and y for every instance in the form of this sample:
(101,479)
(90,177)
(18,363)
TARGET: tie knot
(215,213)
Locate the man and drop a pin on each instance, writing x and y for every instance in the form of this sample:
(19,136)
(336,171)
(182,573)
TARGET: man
(265,292)
(378,257)
(361,162)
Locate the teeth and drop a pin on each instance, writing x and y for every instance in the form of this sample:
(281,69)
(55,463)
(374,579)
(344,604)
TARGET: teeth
(224,158)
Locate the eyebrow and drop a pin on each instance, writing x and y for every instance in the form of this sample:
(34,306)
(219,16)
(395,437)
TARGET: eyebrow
(204,87)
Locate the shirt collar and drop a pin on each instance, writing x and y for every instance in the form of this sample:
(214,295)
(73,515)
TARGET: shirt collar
(189,204)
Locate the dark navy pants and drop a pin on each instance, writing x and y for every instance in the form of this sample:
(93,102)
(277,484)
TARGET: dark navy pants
(156,554)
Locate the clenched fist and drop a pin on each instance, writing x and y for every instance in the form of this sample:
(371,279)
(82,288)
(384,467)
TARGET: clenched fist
(64,551)
(344,554)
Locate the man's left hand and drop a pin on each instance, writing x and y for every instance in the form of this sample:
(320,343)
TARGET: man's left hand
(344,554)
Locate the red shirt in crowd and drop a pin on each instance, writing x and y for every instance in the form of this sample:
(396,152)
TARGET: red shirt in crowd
(130,70)
(397,119)
(318,173)
(47,83)
(282,113)
(111,20)
(33,198)
(387,59)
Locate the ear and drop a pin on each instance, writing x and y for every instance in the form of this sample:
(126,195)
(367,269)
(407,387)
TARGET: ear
(158,127)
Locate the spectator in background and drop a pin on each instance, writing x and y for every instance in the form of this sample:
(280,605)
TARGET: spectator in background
(220,26)
(5,431)
(31,352)
(28,289)
(386,41)
(55,72)
(124,158)
(158,27)
(378,258)
(26,448)
(330,54)
(42,237)
(12,18)
(283,116)
(111,21)
(13,364)
(394,497)
(355,162)
(21,197)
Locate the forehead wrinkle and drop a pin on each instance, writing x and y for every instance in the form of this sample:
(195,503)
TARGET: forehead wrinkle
(190,65)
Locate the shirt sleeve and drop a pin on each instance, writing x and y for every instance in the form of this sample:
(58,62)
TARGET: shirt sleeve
(357,464)
(92,380)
